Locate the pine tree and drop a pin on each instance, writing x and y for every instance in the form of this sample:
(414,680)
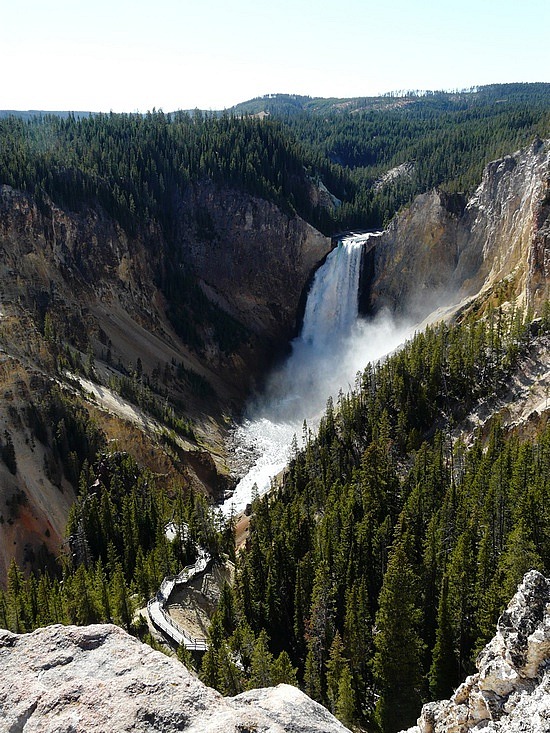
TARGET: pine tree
(120,601)
(334,668)
(444,669)
(185,657)
(209,673)
(4,616)
(226,609)
(319,630)
(345,703)
(228,679)
(261,663)
(397,661)
(209,667)
(282,671)
(358,641)
(519,557)
(15,596)
(461,573)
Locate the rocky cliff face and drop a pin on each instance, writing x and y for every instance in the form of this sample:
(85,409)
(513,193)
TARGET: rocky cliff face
(98,678)
(511,691)
(101,291)
(444,248)
(250,256)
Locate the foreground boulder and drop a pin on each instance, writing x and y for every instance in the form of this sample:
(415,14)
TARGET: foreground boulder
(511,691)
(97,678)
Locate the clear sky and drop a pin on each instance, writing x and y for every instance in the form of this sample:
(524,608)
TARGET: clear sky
(136,55)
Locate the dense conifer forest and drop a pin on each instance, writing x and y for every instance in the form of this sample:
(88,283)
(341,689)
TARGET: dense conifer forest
(138,166)
(381,563)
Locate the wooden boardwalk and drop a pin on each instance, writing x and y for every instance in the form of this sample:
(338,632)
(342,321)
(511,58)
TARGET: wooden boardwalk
(162,620)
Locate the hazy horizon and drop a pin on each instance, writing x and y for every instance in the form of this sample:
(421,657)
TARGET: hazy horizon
(394,92)
(122,56)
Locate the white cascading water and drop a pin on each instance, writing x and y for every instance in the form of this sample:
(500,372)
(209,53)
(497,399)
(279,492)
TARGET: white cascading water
(333,346)
(332,304)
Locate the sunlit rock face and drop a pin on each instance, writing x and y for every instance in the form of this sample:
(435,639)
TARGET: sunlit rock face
(511,691)
(98,678)
(443,248)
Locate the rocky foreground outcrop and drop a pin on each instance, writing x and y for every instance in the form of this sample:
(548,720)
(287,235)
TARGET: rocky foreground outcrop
(511,691)
(98,679)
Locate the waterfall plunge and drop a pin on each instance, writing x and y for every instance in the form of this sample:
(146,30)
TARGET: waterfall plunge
(332,304)
(332,347)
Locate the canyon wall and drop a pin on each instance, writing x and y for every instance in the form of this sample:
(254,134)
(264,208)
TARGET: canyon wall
(444,248)
(76,281)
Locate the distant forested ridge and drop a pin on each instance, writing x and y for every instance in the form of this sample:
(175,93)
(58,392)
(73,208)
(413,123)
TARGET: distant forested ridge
(446,138)
(137,166)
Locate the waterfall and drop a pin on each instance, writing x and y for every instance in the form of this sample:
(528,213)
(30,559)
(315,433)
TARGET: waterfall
(332,347)
(332,304)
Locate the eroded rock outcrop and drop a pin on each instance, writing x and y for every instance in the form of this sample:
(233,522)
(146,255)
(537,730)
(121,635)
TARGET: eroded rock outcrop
(511,691)
(443,248)
(98,678)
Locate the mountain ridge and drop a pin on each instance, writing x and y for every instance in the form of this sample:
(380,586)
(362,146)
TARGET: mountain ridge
(444,248)
(284,102)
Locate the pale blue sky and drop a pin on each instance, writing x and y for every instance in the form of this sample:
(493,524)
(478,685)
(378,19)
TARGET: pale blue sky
(133,55)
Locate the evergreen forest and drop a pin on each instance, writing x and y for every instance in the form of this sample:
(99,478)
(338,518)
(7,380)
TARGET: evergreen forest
(138,167)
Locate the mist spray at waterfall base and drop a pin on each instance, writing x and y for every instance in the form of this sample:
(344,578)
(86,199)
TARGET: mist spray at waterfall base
(333,347)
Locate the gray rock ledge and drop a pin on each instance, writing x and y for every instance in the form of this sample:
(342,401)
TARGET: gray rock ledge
(99,679)
(511,691)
